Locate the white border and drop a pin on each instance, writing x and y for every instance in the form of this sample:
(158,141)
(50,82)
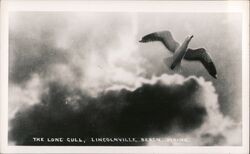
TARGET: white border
(124,6)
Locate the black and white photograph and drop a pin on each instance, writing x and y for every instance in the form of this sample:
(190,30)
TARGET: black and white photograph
(103,78)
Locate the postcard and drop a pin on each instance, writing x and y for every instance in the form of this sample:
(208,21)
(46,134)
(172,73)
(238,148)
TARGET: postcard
(124,77)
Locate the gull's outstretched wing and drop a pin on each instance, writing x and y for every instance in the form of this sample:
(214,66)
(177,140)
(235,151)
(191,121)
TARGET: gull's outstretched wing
(202,56)
(165,37)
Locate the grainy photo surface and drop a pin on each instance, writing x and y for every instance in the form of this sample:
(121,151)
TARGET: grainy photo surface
(99,79)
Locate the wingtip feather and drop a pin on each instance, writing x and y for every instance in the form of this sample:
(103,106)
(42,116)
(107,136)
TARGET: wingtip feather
(215,76)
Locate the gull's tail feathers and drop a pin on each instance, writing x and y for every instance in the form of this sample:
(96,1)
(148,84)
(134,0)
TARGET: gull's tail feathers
(169,62)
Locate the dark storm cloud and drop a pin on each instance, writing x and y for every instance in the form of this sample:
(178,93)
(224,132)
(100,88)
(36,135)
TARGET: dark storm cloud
(150,110)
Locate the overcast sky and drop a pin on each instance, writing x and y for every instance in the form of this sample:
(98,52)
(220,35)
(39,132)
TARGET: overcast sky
(94,52)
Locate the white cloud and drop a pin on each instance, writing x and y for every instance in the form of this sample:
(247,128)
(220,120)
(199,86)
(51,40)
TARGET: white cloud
(21,97)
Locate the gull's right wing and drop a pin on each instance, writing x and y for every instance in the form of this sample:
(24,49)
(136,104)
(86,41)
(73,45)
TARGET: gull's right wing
(203,56)
(165,37)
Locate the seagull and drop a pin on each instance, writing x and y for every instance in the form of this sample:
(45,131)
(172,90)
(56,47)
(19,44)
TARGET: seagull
(182,51)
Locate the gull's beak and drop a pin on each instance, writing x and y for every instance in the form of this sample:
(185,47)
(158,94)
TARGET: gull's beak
(191,36)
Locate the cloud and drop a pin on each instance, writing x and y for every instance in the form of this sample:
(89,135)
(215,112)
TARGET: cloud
(24,96)
(162,106)
(59,50)
(149,109)
(216,128)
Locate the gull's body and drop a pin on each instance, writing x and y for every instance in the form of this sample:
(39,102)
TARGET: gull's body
(182,51)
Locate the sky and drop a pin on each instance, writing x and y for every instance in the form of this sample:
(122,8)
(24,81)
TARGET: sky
(88,71)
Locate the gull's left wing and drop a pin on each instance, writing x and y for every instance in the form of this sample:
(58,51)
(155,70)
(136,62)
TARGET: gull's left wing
(163,36)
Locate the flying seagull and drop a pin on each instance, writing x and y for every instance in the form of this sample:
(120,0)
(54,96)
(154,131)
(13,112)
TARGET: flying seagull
(182,51)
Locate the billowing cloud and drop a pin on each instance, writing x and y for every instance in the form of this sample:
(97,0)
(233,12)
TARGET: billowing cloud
(149,109)
(60,50)
(164,106)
